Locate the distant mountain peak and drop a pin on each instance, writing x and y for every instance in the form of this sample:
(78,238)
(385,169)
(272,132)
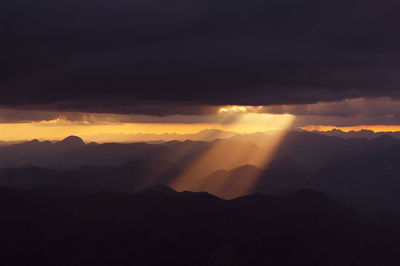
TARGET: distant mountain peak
(74,140)
(160,189)
(334,130)
(246,167)
(367,130)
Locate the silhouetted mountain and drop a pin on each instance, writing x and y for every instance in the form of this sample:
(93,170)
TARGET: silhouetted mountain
(360,172)
(160,190)
(370,182)
(230,184)
(72,141)
(315,151)
(368,134)
(281,177)
(367,181)
(128,177)
(35,152)
(309,149)
(159,228)
(72,152)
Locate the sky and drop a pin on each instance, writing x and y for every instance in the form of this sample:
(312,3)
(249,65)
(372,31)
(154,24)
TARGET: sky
(106,69)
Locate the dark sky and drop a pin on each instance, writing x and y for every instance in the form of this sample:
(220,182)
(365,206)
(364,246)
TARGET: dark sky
(115,56)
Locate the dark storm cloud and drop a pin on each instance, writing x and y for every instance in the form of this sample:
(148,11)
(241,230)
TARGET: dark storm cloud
(116,56)
(347,108)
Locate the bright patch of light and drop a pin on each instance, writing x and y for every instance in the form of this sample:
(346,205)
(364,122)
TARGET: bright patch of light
(239,109)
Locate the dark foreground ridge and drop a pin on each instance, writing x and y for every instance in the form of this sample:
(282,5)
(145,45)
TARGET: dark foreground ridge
(163,227)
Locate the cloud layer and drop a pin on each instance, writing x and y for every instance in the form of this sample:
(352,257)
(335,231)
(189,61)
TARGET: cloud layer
(116,56)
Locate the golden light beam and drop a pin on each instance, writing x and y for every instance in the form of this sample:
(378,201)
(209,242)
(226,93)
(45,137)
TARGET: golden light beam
(228,154)
(244,179)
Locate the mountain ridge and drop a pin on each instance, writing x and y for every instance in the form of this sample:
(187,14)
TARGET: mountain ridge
(149,229)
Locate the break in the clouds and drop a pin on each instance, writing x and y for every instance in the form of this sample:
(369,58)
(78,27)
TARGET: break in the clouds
(118,56)
(348,112)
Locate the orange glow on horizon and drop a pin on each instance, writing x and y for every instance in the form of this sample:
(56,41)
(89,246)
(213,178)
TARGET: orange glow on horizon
(60,128)
(374,128)
(254,149)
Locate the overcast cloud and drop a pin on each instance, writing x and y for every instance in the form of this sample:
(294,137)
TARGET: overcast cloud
(112,56)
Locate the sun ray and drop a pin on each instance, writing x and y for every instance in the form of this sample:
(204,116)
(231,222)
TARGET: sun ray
(257,150)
